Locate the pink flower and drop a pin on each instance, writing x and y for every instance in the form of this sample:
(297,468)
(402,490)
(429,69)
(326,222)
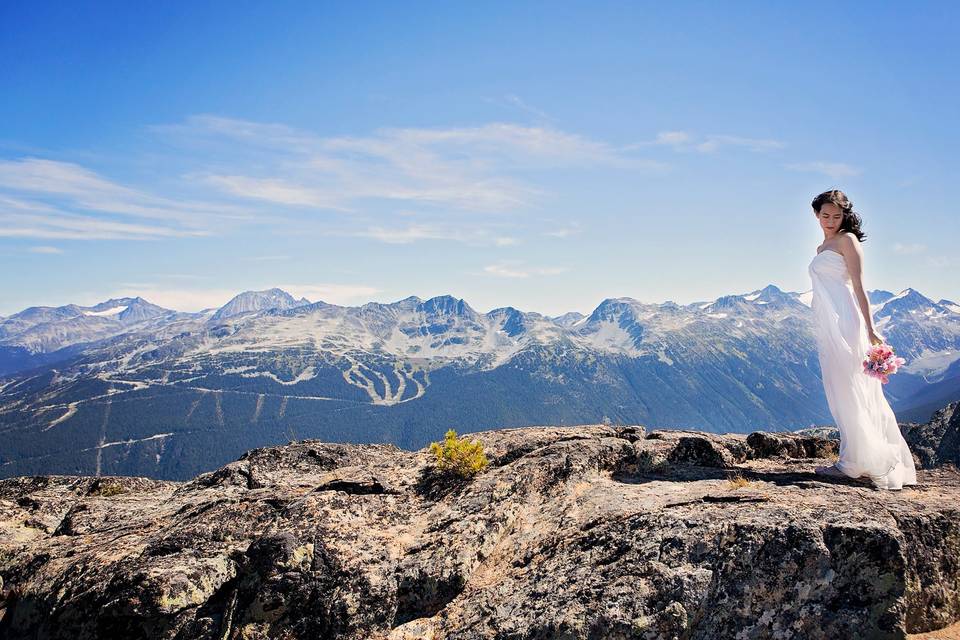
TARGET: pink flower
(881,362)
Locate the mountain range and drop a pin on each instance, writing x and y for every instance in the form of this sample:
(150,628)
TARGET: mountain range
(127,387)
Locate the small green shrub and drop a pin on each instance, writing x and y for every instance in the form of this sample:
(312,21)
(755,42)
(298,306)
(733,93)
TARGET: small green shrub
(461,456)
(106,488)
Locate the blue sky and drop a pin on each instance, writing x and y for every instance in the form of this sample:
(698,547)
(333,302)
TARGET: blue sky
(540,155)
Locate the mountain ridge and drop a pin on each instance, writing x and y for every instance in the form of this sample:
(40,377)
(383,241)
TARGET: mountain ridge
(187,391)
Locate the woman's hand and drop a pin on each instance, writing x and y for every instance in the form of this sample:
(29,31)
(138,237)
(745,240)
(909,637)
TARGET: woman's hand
(876,338)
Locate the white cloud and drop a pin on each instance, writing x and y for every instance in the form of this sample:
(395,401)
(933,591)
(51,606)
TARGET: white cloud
(86,190)
(564,231)
(49,176)
(834,170)
(65,226)
(239,171)
(406,235)
(467,168)
(415,232)
(50,199)
(184,276)
(908,249)
(45,249)
(714,142)
(673,138)
(205,128)
(942,262)
(268,258)
(521,104)
(274,190)
(504,270)
(686,141)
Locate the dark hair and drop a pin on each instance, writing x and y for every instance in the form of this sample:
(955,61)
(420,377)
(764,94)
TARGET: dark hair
(851,220)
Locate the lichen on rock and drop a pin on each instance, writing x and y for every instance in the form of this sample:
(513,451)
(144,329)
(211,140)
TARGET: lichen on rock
(594,531)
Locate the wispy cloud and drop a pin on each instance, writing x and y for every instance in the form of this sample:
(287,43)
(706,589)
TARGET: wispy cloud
(687,141)
(241,171)
(66,226)
(942,262)
(246,172)
(274,190)
(713,143)
(908,249)
(834,170)
(50,199)
(184,276)
(521,104)
(509,270)
(564,231)
(406,235)
(673,138)
(45,249)
(268,258)
(466,168)
(466,233)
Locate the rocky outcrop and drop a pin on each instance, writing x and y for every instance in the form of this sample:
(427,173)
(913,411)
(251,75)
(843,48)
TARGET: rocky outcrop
(937,441)
(576,532)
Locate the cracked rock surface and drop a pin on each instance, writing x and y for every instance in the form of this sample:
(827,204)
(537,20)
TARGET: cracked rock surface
(575,532)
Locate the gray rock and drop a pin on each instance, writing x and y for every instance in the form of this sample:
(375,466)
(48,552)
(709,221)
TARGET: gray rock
(937,441)
(594,531)
(830,433)
(791,445)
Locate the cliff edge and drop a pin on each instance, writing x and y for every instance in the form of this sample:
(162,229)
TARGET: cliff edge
(575,532)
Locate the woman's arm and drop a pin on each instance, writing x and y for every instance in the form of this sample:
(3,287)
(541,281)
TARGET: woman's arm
(853,255)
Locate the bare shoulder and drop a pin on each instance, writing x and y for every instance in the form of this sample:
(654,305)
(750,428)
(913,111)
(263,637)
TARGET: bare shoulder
(848,241)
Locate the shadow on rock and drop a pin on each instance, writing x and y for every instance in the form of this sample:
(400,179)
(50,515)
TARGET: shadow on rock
(435,484)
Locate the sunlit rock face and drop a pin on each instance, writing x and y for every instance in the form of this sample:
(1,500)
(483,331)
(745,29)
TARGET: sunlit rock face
(589,531)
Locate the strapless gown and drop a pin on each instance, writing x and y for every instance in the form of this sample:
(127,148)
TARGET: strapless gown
(870,440)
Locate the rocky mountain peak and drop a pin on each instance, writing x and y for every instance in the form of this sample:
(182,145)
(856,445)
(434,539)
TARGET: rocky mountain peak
(510,320)
(907,303)
(879,296)
(729,302)
(139,310)
(446,305)
(252,301)
(611,309)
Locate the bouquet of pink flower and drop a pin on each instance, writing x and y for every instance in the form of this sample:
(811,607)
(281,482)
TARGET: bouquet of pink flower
(882,362)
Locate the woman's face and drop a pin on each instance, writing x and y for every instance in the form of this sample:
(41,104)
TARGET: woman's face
(830,216)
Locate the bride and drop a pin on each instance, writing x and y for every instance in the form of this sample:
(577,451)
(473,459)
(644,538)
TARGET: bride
(870,440)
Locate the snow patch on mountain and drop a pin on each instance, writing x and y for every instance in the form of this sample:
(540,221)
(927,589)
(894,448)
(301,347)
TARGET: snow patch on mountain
(157,436)
(932,364)
(307,374)
(113,311)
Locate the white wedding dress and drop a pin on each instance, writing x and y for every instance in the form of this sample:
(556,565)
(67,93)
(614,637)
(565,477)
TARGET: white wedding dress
(870,440)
